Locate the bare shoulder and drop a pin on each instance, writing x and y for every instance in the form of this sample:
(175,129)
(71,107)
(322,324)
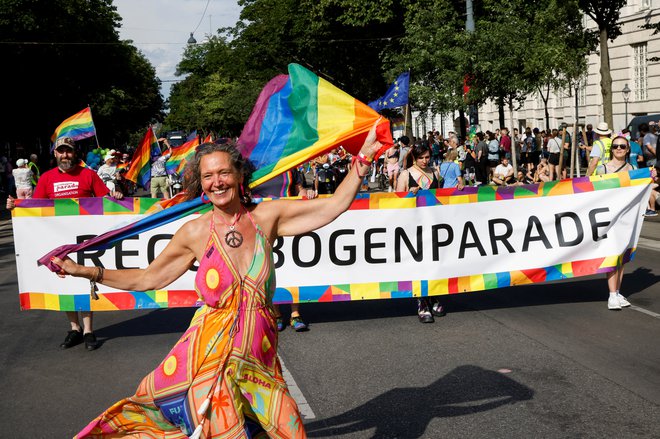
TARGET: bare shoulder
(195,230)
(266,215)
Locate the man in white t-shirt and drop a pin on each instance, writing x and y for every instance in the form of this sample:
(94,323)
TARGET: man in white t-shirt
(503,173)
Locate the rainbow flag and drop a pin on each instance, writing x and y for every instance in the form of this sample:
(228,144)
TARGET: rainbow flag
(79,126)
(300,116)
(140,170)
(208,139)
(181,154)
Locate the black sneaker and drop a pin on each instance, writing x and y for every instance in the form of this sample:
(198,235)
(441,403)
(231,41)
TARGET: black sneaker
(72,339)
(438,310)
(90,341)
(424,312)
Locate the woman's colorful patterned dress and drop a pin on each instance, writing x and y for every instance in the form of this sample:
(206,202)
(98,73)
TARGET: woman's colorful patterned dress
(223,377)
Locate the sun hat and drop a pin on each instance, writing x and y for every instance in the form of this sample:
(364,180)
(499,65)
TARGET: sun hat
(21,162)
(603,129)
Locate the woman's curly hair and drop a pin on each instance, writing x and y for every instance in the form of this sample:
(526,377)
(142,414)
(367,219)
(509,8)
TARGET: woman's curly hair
(192,182)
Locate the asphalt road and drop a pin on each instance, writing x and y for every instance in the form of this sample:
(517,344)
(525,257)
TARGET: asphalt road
(544,360)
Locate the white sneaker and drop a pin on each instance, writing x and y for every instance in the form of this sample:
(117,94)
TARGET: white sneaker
(389,189)
(622,301)
(613,303)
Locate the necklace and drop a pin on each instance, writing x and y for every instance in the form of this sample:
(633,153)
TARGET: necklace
(233,237)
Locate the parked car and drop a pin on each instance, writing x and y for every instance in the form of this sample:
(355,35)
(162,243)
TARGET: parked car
(636,121)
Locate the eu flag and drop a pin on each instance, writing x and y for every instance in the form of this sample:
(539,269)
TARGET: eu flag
(396,96)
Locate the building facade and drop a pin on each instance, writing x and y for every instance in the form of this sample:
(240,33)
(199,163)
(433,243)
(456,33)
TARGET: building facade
(629,65)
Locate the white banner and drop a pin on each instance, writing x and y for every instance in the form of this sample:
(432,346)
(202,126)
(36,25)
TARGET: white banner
(421,250)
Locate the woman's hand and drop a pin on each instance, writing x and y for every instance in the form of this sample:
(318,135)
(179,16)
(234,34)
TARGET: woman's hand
(371,144)
(68,267)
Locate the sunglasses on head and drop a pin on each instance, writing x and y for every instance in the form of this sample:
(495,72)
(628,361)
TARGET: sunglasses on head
(619,146)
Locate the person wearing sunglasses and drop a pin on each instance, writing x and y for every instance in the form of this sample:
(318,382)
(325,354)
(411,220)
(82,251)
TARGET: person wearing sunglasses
(618,157)
(618,162)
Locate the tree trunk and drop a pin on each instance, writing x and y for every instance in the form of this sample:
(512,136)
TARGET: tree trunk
(606,78)
(545,98)
(500,111)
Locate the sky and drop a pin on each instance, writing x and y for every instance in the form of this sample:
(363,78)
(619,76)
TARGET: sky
(161,28)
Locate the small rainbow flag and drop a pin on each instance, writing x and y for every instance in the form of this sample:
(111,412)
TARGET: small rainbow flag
(79,126)
(140,170)
(181,154)
(208,139)
(300,116)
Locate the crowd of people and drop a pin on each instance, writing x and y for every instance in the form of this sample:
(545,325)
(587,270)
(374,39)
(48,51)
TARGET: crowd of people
(541,156)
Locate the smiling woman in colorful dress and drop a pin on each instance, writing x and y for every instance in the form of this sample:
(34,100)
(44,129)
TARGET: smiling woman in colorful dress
(223,377)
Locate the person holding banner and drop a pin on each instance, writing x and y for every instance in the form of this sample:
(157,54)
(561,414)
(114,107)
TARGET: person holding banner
(421,176)
(617,162)
(70,180)
(223,377)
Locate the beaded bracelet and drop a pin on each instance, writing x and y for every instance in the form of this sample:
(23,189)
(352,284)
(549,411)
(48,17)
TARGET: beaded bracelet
(92,283)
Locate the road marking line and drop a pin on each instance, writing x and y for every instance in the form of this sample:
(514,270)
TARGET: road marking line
(304,407)
(645,311)
(650,244)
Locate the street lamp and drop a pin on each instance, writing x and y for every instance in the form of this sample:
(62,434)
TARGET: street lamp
(626,95)
(192,39)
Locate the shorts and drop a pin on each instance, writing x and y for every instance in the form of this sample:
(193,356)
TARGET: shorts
(23,193)
(392,169)
(524,158)
(158,184)
(554,159)
(493,163)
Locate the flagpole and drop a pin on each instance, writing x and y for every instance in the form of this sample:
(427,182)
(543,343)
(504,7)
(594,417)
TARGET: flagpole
(407,129)
(95,136)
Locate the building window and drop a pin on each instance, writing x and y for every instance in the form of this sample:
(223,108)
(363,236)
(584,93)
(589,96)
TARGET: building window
(640,71)
(559,94)
(582,93)
(645,4)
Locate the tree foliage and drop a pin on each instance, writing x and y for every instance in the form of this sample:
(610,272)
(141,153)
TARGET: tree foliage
(65,54)
(332,38)
(361,45)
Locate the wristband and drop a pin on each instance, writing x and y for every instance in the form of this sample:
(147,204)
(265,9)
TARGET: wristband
(363,159)
(355,159)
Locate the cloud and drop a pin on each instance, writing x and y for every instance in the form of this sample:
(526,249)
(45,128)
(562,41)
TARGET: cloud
(161,28)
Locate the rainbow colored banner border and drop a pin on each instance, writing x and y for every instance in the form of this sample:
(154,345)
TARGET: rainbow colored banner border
(123,300)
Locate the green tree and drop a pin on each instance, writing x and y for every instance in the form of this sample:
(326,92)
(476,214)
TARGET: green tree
(561,45)
(606,15)
(64,55)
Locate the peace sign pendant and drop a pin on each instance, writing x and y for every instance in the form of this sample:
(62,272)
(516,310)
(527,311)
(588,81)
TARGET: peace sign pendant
(233,238)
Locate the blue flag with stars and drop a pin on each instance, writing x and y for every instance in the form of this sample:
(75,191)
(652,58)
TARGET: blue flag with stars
(396,96)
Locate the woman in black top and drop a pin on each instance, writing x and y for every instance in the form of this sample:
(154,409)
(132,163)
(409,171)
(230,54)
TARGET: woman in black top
(421,176)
